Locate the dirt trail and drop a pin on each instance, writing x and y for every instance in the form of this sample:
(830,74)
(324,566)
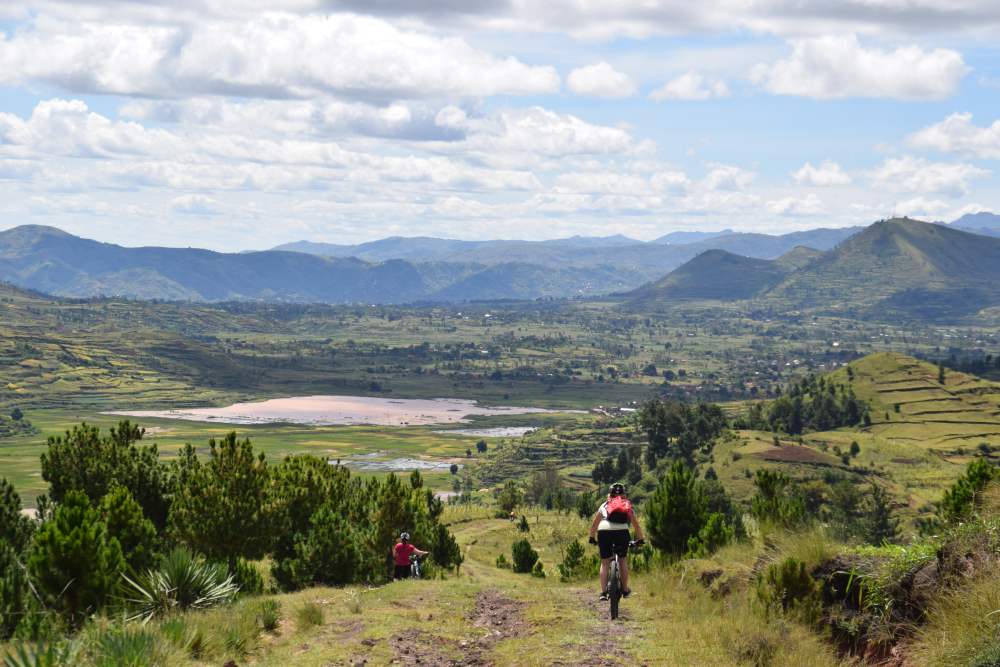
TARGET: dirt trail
(494,617)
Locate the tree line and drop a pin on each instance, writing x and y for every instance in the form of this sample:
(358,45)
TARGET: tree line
(114,509)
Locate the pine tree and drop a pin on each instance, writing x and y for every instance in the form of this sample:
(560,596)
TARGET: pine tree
(86,461)
(223,508)
(881,526)
(14,593)
(73,561)
(126,523)
(15,528)
(676,511)
(329,553)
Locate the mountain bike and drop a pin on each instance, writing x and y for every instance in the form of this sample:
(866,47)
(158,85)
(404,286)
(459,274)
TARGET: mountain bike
(415,566)
(614,575)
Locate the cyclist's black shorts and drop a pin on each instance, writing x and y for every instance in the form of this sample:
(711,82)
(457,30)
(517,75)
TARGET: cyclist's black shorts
(401,572)
(610,541)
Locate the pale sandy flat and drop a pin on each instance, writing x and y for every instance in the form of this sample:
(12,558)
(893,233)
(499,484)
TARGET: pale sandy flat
(338,410)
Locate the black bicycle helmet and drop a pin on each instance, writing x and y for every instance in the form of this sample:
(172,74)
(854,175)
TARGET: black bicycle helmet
(405,536)
(617,490)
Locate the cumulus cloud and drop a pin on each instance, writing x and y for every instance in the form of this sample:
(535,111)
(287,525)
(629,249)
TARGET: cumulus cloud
(797,206)
(958,134)
(195,205)
(690,86)
(624,18)
(833,67)
(305,55)
(600,80)
(913,174)
(921,207)
(68,128)
(827,174)
(728,178)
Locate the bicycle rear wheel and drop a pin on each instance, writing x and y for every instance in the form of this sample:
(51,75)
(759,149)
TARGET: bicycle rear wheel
(614,588)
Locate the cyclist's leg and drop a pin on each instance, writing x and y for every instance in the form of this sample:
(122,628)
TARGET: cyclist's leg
(604,545)
(621,545)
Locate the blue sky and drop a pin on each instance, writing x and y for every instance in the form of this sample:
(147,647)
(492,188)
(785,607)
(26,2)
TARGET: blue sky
(209,123)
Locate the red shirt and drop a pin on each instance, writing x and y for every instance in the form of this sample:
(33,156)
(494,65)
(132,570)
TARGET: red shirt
(402,551)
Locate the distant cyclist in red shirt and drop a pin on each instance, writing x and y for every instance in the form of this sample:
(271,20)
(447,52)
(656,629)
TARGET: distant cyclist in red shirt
(401,556)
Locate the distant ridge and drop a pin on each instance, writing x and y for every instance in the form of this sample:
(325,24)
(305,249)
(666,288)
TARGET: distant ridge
(987,224)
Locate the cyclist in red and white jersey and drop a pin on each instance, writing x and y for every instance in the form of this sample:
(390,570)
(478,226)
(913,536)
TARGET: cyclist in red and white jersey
(610,532)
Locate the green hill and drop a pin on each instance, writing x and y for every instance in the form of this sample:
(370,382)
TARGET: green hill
(798,257)
(714,274)
(900,268)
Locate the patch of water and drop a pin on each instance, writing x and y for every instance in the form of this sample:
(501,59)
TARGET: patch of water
(394,465)
(500,432)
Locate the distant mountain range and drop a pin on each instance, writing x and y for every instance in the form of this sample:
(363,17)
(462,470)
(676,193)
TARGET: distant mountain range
(897,268)
(987,224)
(394,270)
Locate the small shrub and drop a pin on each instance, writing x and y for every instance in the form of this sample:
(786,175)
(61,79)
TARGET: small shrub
(787,588)
(502,562)
(523,556)
(269,614)
(353,602)
(128,647)
(185,637)
(753,649)
(240,631)
(248,577)
(572,562)
(308,615)
(522,525)
(538,570)
(714,535)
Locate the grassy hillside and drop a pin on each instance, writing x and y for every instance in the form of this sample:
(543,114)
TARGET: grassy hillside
(694,613)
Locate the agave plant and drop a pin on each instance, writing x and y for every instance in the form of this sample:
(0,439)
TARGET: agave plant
(183,581)
(42,654)
(127,647)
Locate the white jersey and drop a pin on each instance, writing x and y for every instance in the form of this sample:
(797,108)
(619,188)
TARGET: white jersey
(609,525)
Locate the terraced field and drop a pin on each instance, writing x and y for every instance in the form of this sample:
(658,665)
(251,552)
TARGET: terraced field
(910,405)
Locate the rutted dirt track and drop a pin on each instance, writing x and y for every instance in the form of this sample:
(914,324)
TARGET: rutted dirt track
(494,617)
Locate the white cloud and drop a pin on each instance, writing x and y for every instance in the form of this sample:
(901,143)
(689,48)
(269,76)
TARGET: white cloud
(921,207)
(834,67)
(270,55)
(690,86)
(538,131)
(797,206)
(600,80)
(912,174)
(958,134)
(195,205)
(728,178)
(67,128)
(827,174)
(675,182)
